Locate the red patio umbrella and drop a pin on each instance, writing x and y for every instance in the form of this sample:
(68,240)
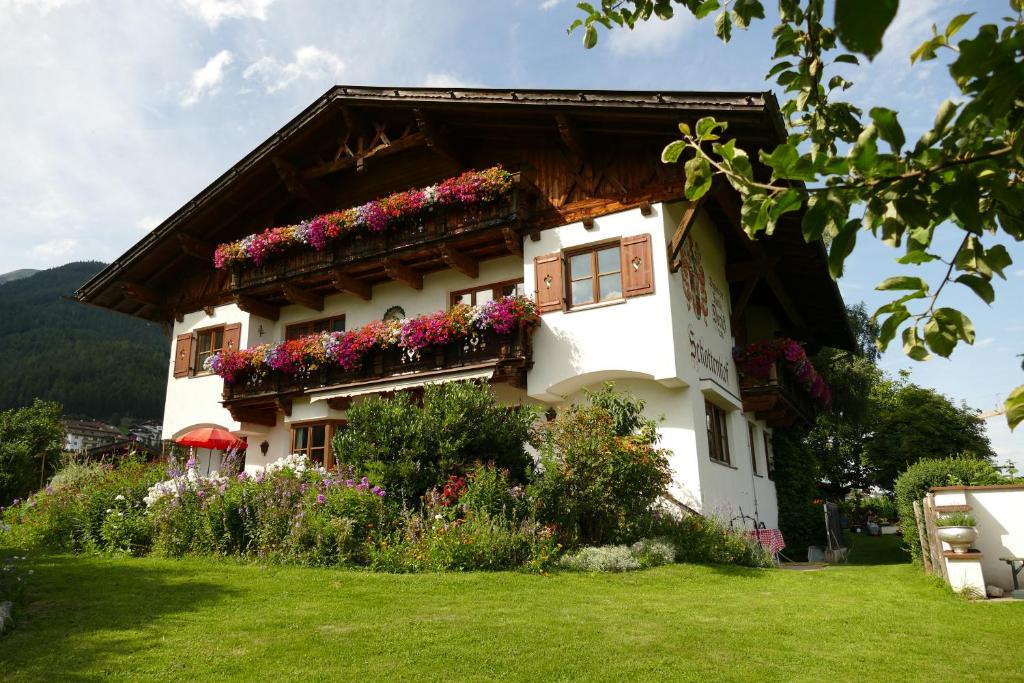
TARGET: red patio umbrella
(211,437)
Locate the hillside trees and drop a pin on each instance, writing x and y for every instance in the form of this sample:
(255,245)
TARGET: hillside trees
(31,441)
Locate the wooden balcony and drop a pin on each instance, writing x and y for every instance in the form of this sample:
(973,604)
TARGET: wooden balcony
(499,357)
(779,400)
(453,237)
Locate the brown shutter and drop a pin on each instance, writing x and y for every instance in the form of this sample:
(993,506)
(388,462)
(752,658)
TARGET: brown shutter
(548,274)
(183,355)
(232,336)
(637,266)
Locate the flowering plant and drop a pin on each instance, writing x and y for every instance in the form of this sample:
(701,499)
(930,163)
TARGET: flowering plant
(347,349)
(757,359)
(472,187)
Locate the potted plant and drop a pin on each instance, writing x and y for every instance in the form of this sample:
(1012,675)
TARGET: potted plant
(957,529)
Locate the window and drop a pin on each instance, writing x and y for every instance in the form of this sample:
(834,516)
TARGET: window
(208,342)
(481,295)
(769,457)
(313,439)
(753,447)
(333,324)
(595,275)
(718,432)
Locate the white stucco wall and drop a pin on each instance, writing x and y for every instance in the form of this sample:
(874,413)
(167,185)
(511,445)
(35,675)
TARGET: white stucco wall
(999,517)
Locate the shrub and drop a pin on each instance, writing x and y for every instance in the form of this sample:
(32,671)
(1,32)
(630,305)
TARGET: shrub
(410,449)
(796,484)
(915,482)
(605,558)
(955,519)
(707,540)
(31,439)
(601,471)
(488,491)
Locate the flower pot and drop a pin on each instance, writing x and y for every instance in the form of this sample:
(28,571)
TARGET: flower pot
(959,538)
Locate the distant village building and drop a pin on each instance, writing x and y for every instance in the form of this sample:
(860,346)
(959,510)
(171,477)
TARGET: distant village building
(632,283)
(148,433)
(81,435)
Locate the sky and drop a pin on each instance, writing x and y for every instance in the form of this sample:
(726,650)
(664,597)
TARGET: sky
(114,114)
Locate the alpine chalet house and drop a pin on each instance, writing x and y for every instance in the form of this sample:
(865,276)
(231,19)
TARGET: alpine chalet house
(391,237)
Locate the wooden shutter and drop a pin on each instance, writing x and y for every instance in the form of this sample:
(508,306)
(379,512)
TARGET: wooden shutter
(550,291)
(637,266)
(183,355)
(232,336)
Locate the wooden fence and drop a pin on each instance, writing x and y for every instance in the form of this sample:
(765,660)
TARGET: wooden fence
(928,532)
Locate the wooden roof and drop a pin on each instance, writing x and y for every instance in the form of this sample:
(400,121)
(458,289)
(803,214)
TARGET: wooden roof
(354,144)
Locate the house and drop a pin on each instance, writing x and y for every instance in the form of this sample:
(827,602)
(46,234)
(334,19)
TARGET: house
(632,283)
(82,435)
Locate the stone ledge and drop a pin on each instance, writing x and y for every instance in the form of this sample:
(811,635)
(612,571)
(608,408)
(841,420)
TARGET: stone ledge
(969,555)
(953,508)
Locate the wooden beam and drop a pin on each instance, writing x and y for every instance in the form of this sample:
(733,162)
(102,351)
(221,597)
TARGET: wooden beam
(297,184)
(749,270)
(572,137)
(513,241)
(142,294)
(646,209)
(339,402)
(402,273)
(195,247)
(685,224)
(302,297)
(409,141)
(460,261)
(437,140)
(267,418)
(344,282)
(588,222)
(284,405)
(257,307)
(740,305)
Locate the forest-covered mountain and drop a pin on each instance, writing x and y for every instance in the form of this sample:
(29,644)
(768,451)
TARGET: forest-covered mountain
(95,362)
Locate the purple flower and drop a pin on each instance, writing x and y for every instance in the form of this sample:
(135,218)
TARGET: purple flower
(350,483)
(321,499)
(191,464)
(16,501)
(242,476)
(378,491)
(201,493)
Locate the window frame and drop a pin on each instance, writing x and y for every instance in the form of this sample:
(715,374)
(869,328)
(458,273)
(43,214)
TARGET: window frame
(717,423)
(316,325)
(595,273)
(453,297)
(769,457)
(751,430)
(331,427)
(195,363)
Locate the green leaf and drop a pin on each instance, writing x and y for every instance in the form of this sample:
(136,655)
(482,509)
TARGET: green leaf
(887,331)
(862,23)
(590,37)
(673,151)
(864,152)
(706,127)
(903,282)
(944,115)
(940,339)
(981,286)
(997,259)
(789,200)
(781,66)
(781,159)
(957,23)
(916,258)
(684,128)
(1015,406)
(723,27)
(912,345)
(842,245)
(889,128)
(698,178)
(957,321)
(705,8)
(847,59)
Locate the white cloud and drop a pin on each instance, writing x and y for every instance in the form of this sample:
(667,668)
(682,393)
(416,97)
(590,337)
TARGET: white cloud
(444,79)
(653,35)
(311,63)
(1019,272)
(213,12)
(148,222)
(550,4)
(982,343)
(40,6)
(207,79)
(55,248)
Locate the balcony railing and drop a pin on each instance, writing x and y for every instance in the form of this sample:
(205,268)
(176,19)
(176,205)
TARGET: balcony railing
(510,352)
(441,225)
(779,399)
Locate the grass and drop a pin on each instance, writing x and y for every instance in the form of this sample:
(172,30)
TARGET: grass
(104,617)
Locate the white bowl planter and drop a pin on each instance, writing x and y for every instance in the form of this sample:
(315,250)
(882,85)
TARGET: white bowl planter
(959,538)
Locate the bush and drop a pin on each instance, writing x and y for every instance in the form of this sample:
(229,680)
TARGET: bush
(410,449)
(31,439)
(706,540)
(915,482)
(643,554)
(600,469)
(955,519)
(797,474)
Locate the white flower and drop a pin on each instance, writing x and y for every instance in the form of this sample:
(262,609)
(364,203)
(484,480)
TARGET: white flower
(119,497)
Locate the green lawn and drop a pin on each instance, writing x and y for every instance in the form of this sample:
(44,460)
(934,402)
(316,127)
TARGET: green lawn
(97,617)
